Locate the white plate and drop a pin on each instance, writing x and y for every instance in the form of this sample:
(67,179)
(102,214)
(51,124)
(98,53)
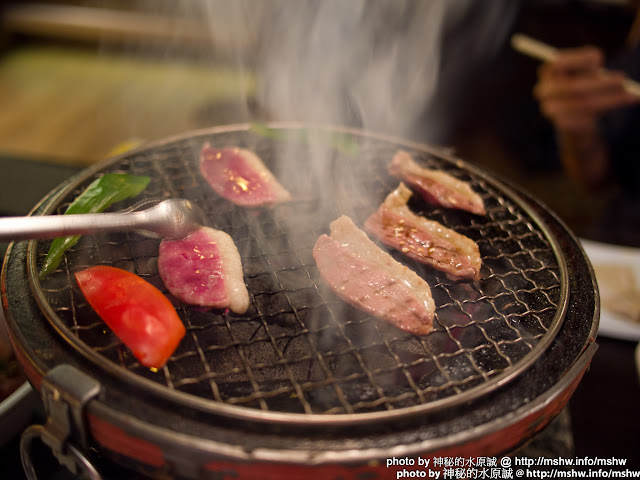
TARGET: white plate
(612,324)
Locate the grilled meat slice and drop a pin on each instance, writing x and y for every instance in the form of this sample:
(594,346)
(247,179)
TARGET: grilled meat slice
(240,176)
(204,269)
(424,240)
(362,274)
(437,188)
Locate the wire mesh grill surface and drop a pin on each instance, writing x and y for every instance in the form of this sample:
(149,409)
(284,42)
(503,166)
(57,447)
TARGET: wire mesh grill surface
(299,349)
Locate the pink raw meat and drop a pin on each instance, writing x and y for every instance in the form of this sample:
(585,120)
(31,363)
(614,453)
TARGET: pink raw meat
(424,240)
(204,269)
(240,176)
(362,274)
(437,188)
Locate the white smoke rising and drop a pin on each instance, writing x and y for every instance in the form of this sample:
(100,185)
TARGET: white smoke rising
(392,66)
(368,64)
(383,65)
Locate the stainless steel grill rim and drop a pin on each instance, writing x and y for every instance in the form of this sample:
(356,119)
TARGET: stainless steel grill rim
(512,232)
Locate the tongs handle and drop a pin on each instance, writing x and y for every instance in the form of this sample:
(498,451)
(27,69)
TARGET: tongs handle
(51,226)
(171,218)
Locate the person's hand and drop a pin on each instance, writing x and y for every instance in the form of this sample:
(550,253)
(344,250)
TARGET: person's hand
(574,90)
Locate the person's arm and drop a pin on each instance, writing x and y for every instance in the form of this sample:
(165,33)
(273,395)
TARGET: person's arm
(574,92)
(585,156)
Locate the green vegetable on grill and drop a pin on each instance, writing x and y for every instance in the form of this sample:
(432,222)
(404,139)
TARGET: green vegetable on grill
(100,195)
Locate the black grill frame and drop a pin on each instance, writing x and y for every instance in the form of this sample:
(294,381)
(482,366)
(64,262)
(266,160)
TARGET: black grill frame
(516,232)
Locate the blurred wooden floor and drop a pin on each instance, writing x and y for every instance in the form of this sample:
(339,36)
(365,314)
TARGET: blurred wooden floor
(72,106)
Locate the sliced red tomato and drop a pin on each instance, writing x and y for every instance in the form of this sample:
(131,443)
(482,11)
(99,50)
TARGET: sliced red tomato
(136,311)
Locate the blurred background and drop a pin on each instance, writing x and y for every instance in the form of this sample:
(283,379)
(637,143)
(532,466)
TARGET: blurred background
(81,80)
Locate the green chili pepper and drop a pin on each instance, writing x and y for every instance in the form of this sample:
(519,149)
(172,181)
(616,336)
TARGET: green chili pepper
(342,142)
(102,193)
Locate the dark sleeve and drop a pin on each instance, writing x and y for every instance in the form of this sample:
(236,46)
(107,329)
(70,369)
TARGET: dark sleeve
(622,128)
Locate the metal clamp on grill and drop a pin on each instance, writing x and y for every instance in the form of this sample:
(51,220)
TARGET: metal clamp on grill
(65,393)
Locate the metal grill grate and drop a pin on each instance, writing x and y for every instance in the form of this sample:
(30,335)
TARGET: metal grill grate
(298,348)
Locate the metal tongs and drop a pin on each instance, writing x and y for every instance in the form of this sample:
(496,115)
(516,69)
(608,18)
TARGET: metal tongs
(173,218)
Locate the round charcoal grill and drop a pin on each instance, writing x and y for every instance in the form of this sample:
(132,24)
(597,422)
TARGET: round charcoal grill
(302,380)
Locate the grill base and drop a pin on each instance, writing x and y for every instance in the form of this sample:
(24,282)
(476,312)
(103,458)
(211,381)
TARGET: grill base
(196,439)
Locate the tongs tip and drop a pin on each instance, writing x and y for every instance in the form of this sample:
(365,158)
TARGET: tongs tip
(177,218)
